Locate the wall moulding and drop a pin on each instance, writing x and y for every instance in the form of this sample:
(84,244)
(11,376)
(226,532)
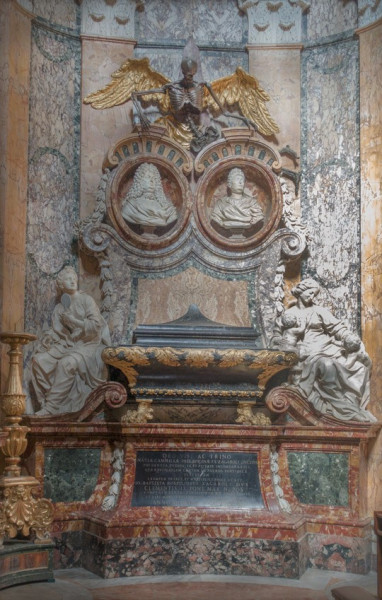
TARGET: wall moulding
(368,27)
(23,10)
(103,38)
(250,47)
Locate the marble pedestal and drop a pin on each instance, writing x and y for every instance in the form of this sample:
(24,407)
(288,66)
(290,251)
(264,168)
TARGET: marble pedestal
(25,562)
(312,483)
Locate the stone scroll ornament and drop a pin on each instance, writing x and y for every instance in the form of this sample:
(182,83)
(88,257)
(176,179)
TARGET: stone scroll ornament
(187,104)
(333,370)
(67,363)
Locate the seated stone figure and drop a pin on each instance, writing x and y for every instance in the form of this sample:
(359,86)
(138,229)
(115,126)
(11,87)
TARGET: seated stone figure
(334,369)
(67,365)
(146,203)
(238,209)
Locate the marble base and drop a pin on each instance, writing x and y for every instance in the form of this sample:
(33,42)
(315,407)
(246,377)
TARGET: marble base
(293,528)
(180,556)
(132,557)
(22,562)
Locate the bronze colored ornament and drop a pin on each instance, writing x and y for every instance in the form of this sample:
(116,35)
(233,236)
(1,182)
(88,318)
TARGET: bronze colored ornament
(143,414)
(245,416)
(129,358)
(20,511)
(182,102)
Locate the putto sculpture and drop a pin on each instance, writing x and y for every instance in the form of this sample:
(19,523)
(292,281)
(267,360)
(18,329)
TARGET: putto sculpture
(182,102)
(333,371)
(239,209)
(145,203)
(67,364)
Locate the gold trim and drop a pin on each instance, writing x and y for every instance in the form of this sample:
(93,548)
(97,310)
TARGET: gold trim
(246,416)
(143,414)
(127,358)
(20,511)
(197,393)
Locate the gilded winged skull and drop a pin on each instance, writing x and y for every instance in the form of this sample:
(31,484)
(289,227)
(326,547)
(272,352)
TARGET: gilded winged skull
(181,103)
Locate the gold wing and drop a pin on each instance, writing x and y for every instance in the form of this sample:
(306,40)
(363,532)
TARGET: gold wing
(243,91)
(134,75)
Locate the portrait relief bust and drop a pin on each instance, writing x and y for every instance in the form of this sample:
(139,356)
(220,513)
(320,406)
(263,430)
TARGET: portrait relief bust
(146,203)
(239,209)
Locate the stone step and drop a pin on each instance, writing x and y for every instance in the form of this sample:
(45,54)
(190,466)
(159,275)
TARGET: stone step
(348,592)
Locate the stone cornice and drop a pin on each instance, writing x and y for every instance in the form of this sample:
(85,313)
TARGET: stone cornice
(103,38)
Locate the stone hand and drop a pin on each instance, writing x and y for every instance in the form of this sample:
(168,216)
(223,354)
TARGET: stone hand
(76,334)
(70,322)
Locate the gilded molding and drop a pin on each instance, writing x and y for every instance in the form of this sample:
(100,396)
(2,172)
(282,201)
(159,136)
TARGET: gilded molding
(20,511)
(143,414)
(191,393)
(128,358)
(245,416)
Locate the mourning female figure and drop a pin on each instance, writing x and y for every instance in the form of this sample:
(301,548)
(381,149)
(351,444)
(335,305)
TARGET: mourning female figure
(67,365)
(333,369)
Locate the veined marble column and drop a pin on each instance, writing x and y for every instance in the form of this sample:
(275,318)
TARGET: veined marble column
(370,39)
(15,35)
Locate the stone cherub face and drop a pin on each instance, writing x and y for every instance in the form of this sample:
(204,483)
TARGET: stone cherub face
(289,320)
(351,342)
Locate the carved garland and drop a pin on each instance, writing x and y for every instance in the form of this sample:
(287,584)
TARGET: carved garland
(117,463)
(276,479)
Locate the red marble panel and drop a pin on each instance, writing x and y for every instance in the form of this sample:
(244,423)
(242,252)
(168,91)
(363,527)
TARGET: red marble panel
(270,523)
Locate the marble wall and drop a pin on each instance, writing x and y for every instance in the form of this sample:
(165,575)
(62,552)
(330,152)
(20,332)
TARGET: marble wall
(371,223)
(326,18)
(330,172)
(15,32)
(53,190)
(48,66)
(213,23)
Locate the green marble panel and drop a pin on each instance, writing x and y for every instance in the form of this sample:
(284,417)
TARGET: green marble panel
(71,473)
(320,477)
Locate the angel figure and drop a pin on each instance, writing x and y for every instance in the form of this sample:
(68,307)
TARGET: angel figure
(182,102)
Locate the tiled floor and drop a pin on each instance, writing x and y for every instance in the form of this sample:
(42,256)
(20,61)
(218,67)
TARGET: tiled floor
(78,584)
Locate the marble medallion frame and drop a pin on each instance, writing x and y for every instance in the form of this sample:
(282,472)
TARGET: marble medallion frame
(260,179)
(176,188)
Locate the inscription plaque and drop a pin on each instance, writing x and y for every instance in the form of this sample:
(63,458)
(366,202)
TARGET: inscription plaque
(209,479)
